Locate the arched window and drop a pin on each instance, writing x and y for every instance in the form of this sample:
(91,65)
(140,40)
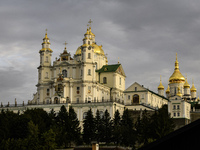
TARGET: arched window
(101,114)
(104,80)
(84,115)
(64,72)
(135,99)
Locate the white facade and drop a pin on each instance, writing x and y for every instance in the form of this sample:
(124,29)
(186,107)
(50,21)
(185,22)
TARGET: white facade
(137,94)
(84,78)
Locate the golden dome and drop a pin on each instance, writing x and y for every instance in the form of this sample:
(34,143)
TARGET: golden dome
(97,49)
(176,77)
(186,84)
(179,93)
(167,91)
(193,89)
(160,87)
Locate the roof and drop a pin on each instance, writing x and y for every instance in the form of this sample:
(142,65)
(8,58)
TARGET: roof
(109,68)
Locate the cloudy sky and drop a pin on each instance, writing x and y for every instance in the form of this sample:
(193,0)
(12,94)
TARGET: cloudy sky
(144,34)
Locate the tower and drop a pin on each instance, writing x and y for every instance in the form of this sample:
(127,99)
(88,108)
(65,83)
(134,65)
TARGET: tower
(186,89)
(193,91)
(161,88)
(44,70)
(176,80)
(167,92)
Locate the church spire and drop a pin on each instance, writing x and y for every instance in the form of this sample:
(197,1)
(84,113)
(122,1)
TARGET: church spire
(177,77)
(46,44)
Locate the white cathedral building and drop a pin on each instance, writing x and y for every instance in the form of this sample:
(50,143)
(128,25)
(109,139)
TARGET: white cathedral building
(86,80)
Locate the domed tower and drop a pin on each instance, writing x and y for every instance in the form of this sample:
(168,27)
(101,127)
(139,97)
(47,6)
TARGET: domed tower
(44,70)
(167,92)
(161,88)
(193,91)
(176,80)
(90,51)
(186,89)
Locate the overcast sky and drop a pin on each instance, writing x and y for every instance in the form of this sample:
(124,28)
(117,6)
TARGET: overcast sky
(144,34)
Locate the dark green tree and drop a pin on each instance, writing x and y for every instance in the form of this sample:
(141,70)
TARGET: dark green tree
(32,141)
(48,140)
(88,128)
(62,121)
(162,124)
(128,133)
(74,130)
(107,127)
(98,126)
(143,128)
(116,131)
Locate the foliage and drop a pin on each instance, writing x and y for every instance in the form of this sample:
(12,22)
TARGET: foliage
(37,129)
(89,128)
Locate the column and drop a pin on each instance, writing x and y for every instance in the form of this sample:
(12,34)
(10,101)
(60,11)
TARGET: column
(94,75)
(83,93)
(41,96)
(70,92)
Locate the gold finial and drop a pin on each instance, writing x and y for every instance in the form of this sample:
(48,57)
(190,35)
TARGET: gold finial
(90,22)
(118,60)
(160,87)
(46,34)
(65,45)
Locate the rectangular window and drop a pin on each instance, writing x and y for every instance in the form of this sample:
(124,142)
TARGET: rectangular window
(89,56)
(174,114)
(178,107)
(89,88)
(129,97)
(47,75)
(89,71)
(77,100)
(135,88)
(120,81)
(174,107)
(46,59)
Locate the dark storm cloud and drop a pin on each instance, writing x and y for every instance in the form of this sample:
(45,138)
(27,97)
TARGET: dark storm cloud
(144,34)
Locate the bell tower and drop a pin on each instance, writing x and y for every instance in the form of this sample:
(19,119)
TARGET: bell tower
(44,70)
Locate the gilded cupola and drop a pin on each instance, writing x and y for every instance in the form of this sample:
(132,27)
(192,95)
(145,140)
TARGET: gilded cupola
(168,90)
(97,48)
(186,84)
(179,92)
(193,89)
(177,77)
(46,43)
(160,87)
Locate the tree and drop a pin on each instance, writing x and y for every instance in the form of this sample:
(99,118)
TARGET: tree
(107,127)
(88,128)
(128,133)
(32,141)
(116,131)
(48,140)
(74,131)
(143,129)
(162,124)
(98,126)
(62,121)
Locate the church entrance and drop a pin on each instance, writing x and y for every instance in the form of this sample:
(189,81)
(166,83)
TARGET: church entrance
(55,100)
(135,99)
